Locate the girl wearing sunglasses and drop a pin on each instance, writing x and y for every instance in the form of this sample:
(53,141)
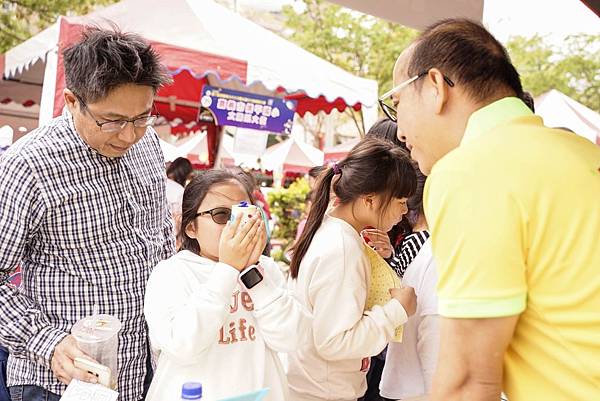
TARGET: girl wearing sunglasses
(218,312)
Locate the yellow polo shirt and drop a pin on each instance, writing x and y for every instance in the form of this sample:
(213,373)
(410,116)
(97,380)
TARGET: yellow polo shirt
(515,219)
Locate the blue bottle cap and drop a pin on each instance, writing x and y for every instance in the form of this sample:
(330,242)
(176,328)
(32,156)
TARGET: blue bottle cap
(191,391)
(243,204)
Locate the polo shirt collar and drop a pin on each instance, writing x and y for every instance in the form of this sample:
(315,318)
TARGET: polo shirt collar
(494,114)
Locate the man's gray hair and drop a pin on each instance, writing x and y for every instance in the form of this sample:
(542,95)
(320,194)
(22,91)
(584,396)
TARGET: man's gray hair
(107,58)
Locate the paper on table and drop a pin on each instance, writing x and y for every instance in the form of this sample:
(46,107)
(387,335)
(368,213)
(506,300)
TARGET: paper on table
(253,396)
(383,277)
(81,391)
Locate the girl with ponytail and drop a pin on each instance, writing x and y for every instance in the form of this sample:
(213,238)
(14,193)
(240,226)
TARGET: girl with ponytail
(330,272)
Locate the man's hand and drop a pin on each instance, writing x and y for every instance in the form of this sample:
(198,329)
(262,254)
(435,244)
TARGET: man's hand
(62,362)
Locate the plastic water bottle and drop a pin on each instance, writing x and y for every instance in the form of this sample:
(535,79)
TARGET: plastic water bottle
(191,391)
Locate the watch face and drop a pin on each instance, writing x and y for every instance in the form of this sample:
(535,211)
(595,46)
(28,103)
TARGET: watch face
(252,277)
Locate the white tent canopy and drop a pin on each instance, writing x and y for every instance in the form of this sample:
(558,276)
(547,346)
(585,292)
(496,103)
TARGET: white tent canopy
(559,110)
(195,144)
(171,152)
(203,25)
(293,156)
(225,155)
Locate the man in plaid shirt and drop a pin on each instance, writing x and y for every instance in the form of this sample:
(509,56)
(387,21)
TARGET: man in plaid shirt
(83,212)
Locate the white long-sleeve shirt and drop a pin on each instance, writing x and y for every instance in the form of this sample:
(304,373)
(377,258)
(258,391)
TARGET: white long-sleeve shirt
(332,283)
(210,329)
(410,365)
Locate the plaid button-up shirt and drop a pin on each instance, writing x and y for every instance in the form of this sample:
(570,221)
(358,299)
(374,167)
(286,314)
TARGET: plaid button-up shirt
(85,229)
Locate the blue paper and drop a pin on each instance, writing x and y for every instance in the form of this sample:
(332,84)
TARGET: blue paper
(253,396)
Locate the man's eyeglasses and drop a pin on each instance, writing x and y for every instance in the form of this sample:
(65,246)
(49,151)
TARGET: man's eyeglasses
(118,125)
(390,110)
(220,215)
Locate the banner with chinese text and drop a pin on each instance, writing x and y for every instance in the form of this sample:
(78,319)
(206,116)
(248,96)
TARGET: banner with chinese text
(248,110)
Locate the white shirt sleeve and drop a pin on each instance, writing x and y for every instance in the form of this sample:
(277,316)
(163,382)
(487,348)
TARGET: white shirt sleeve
(183,324)
(426,282)
(282,320)
(428,331)
(428,346)
(338,292)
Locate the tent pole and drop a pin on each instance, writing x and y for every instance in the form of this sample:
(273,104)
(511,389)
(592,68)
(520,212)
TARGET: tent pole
(48,88)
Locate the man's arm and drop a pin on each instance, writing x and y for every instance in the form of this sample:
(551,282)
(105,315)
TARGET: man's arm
(23,329)
(471,358)
(169,233)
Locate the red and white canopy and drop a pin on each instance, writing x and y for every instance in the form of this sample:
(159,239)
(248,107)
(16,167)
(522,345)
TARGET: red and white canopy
(339,152)
(200,41)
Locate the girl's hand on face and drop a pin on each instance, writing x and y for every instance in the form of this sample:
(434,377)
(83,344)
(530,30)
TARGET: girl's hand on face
(379,241)
(238,242)
(261,243)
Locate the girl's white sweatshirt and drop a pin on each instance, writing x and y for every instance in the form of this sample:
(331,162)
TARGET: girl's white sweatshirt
(209,328)
(332,283)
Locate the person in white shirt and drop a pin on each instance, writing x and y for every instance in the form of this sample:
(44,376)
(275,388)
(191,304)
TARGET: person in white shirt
(330,272)
(179,172)
(174,193)
(410,365)
(213,316)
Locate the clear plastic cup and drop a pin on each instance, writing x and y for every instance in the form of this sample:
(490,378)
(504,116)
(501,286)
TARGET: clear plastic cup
(98,337)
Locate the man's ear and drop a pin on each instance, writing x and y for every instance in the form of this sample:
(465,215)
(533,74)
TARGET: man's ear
(70,99)
(440,89)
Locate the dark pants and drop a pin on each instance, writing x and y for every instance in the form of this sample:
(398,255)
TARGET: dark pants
(32,393)
(373,379)
(4,396)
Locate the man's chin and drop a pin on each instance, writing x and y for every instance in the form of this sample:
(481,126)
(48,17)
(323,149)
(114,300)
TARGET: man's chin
(424,165)
(425,168)
(113,151)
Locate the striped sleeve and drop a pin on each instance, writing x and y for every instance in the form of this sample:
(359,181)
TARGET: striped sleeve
(23,329)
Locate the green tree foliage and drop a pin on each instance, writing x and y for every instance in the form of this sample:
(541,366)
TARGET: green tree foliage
(573,69)
(359,43)
(21,19)
(368,47)
(288,205)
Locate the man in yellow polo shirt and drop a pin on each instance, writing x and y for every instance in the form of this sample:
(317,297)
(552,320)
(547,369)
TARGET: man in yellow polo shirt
(514,209)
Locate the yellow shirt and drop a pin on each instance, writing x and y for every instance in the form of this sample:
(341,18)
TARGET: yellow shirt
(515,219)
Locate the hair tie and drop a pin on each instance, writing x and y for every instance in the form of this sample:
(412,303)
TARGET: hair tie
(336,169)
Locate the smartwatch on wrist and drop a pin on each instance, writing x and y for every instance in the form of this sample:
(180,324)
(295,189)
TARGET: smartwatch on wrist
(251,277)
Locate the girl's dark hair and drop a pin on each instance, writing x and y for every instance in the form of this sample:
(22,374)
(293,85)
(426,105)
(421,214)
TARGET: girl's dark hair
(194,194)
(415,202)
(179,170)
(373,166)
(316,171)
(386,129)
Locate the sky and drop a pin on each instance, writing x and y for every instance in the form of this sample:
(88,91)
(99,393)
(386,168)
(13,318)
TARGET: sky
(558,19)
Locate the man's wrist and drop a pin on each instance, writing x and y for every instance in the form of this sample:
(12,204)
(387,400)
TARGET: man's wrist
(41,345)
